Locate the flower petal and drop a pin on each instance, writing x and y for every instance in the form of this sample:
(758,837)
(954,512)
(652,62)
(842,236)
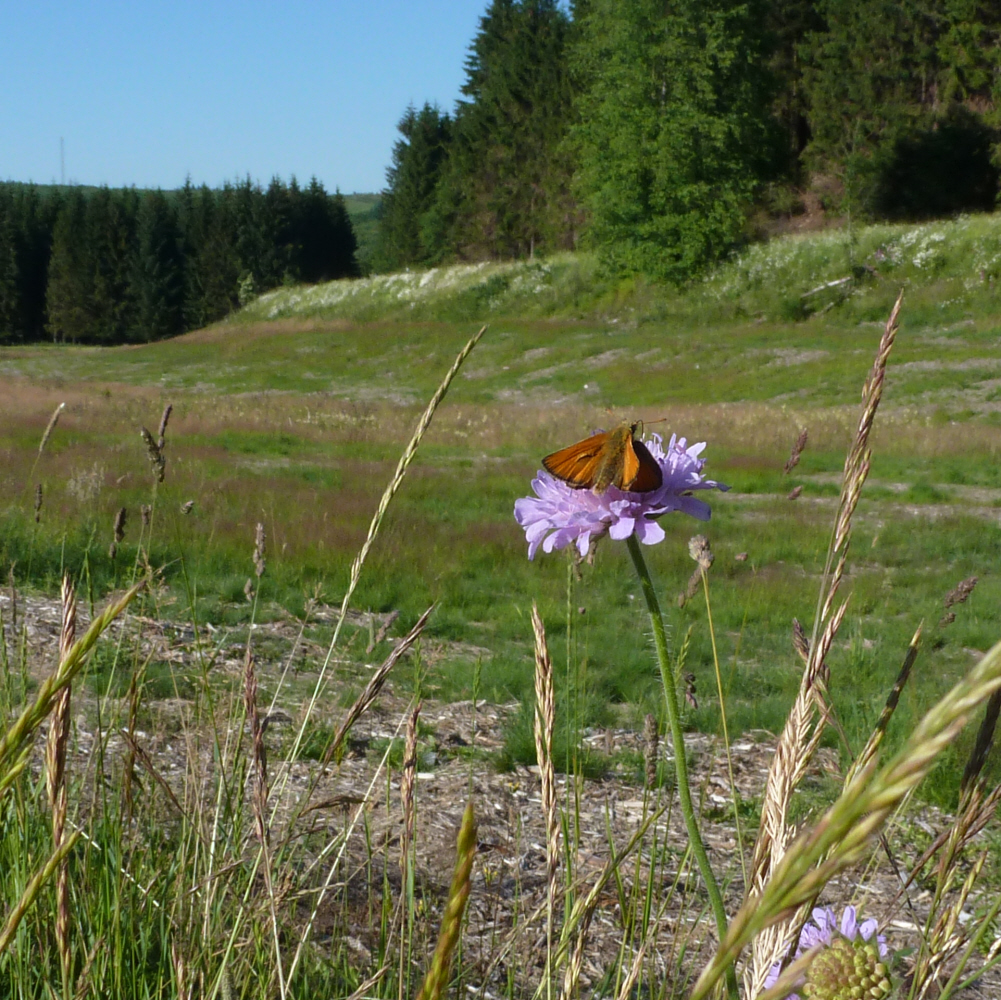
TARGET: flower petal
(558,515)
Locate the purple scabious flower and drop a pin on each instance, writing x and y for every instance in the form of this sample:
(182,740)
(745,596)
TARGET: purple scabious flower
(558,514)
(852,955)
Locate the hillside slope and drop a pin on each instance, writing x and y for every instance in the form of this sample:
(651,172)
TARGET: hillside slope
(953,264)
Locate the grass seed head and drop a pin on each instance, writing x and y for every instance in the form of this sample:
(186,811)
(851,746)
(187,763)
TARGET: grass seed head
(960,592)
(38,503)
(436,981)
(117,531)
(800,641)
(50,427)
(797,451)
(161,434)
(155,455)
(408,789)
(260,550)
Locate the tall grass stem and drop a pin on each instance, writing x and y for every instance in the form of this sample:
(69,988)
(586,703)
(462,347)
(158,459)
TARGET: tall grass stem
(359,561)
(726,733)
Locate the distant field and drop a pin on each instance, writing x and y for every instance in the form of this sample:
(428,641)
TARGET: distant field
(294,413)
(364,212)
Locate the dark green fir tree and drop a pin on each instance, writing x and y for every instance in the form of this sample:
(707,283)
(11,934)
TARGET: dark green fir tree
(506,186)
(405,229)
(70,279)
(324,237)
(157,285)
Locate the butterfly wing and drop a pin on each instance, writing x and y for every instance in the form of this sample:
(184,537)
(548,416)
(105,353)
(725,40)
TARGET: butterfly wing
(630,466)
(647,475)
(577,465)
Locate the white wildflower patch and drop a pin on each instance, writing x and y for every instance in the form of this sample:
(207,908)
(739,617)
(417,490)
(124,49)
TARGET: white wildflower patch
(401,288)
(928,254)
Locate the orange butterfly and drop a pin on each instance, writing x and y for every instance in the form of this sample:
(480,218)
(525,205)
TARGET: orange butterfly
(608,458)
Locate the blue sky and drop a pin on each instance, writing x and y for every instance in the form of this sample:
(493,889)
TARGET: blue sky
(148,93)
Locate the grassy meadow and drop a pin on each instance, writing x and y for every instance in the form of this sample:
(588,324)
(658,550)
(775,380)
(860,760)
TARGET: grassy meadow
(295,411)
(212,852)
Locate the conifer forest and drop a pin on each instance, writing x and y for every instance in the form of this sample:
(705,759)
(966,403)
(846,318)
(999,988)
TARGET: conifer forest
(660,136)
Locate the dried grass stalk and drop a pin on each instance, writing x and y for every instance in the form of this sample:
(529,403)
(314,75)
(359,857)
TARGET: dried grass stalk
(436,981)
(879,731)
(699,550)
(804,725)
(629,983)
(137,753)
(32,889)
(800,642)
(651,750)
(259,799)
(180,972)
(260,551)
(56,745)
(960,592)
(154,454)
(545,723)
(408,787)
(117,531)
(134,695)
(571,975)
(13,598)
(374,686)
(161,433)
(844,833)
(373,529)
(13,741)
(50,427)
(947,938)
(383,631)
(577,922)
(797,451)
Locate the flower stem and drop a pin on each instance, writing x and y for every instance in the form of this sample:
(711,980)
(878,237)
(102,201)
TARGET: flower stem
(680,761)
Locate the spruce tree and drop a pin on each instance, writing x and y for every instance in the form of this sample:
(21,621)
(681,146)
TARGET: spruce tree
(34,219)
(70,280)
(110,252)
(412,178)
(157,285)
(218,259)
(505,190)
(10,279)
(324,236)
(276,218)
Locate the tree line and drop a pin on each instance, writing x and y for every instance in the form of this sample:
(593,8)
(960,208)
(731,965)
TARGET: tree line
(651,131)
(102,266)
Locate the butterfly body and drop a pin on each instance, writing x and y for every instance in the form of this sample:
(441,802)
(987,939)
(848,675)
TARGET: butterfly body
(608,458)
